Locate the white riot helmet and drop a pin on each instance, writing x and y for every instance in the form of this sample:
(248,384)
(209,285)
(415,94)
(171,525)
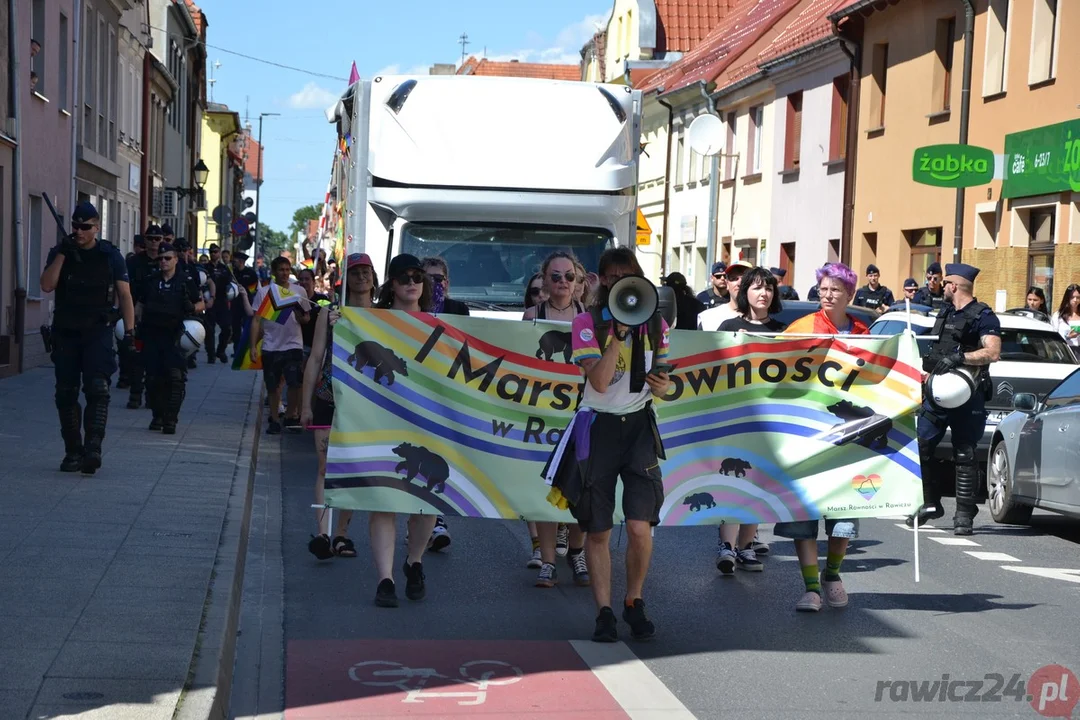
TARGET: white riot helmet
(234,291)
(952,388)
(119,329)
(206,296)
(191,339)
(202,278)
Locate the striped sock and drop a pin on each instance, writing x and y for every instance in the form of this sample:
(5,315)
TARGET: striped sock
(536,543)
(832,566)
(810,577)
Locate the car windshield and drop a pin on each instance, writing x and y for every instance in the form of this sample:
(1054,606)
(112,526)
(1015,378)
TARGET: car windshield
(1016,345)
(895,327)
(491,264)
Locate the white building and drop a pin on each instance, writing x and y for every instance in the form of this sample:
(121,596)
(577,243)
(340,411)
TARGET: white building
(133,40)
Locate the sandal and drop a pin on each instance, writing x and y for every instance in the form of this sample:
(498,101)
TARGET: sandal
(835,594)
(319,546)
(344,547)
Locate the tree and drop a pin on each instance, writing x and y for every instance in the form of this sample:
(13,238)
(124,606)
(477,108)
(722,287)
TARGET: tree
(302,215)
(272,242)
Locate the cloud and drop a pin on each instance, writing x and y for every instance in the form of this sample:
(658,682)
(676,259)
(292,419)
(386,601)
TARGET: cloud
(395,69)
(312,97)
(566,49)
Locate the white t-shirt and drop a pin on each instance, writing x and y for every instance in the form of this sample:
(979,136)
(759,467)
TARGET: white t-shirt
(617,399)
(712,318)
(278,337)
(1064,328)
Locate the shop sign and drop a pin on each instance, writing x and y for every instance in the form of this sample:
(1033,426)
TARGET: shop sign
(1042,161)
(953,166)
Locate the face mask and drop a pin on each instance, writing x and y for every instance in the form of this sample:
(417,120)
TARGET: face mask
(438,296)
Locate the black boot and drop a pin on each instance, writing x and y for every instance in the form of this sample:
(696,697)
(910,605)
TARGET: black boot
(931,507)
(94,420)
(174,399)
(967,485)
(223,344)
(71,431)
(155,399)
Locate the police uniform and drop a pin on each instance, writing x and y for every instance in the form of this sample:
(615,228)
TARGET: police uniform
(165,305)
(813,295)
(220,315)
(785,292)
(190,271)
(708,297)
(248,280)
(931,299)
(959,331)
(140,268)
(82,342)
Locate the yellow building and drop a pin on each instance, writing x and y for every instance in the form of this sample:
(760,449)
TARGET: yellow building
(220,125)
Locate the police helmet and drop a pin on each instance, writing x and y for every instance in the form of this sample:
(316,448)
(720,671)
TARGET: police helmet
(952,388)
(202,278)
(192,337)
(233,292)
(206,296)
(119,329)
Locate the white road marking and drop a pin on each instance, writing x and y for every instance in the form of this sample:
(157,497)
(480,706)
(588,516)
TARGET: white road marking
(993,556)
(1067,575)
(640,693)
(892,517)
(922,528)
(955,541)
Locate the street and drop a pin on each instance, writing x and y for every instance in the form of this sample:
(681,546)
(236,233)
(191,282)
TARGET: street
(999,603)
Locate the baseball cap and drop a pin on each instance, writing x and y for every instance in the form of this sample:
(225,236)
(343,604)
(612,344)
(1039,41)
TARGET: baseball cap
(911,283)
(240,254)
(84,211)
(741,264)
(719,267)
(404,262)
(166,229)
(359,259)
(872,269)
(153,231)
(934,269)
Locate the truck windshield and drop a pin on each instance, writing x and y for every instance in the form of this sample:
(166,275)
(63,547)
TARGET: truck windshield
(491,264)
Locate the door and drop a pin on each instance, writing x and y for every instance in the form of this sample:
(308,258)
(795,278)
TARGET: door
(787,261)
(1041,226)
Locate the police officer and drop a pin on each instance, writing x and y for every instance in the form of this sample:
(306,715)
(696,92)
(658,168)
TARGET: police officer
(873,295)
(187,268)
(248,280)
(786,292)
(140,268)
(933,294)
(717,293)
(165,299)
(218,313)
(87,276)
(969,334)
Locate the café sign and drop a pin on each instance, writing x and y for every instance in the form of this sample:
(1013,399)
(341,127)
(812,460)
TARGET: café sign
(1042,161)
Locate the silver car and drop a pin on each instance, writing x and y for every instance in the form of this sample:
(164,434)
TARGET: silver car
(1035,456)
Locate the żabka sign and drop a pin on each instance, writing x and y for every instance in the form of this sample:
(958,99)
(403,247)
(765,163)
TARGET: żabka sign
(953,165)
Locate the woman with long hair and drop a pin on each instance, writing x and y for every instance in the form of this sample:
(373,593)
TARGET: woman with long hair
(1067,318)
(1036,300)
(534,290)
(408,289)
(561,275)
(836,287)
(317,410)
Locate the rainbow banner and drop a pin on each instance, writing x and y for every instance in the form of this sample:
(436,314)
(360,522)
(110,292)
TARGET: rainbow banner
(458,415)
(242,356)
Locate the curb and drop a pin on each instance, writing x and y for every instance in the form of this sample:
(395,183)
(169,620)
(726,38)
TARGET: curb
(209,682)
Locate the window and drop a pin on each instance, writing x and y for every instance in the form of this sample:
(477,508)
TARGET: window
(925,247)
(997,37)
(869,248)
(1044,29)
(945,39)
(986,230)
(37,63)
(111,97)
(729,148)
(1042,232)
(753,145)
(878,81)
(680,151)
(123,97)
(787,261)
(34,255)
(619,40)
(838,124)
(1044,346)
(793,131)
(695,166)
(1066,393)
(62,64)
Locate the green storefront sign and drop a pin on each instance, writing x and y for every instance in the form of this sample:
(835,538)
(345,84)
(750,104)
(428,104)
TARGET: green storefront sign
(1042,161)
(953,166)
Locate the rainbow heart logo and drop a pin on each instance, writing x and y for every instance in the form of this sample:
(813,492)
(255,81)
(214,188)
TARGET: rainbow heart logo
(866,485)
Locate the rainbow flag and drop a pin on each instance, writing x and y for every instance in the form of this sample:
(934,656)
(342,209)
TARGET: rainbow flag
(242,357)
(279,303)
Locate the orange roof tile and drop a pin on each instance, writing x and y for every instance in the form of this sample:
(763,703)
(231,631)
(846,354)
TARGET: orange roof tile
(197,16)
(639,76)
(514,68)
(724,44)
(809,26)
(683,24)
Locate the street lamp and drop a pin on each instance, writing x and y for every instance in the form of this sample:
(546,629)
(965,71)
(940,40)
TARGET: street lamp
(258,186)
(200,173)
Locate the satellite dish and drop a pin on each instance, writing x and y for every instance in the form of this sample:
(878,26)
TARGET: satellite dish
(222,215)
(707,135)
(250,217)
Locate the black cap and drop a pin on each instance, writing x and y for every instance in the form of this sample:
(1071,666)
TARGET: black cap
(911,283)
(240,254)
(675,279)
(934,269)
(152,231)
(719,267)
(166,247)
(166,229)
(778,272)
(180,244)
(968,272)
(84,211)
(404,262)
(214,246)
(872,268)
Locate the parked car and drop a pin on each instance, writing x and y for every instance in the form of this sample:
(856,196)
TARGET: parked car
(1035,456)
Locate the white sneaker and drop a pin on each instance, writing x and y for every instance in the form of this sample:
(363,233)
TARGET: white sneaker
(535,562)
(562,540)
(440,536)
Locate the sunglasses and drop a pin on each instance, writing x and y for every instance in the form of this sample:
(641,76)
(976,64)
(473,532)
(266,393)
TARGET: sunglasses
(721,276)
(166,258)
(558,277)
(437,278)
(83,226)
(409,278)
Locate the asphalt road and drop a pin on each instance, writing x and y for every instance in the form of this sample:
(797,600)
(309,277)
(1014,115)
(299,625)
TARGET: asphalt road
(1003,603)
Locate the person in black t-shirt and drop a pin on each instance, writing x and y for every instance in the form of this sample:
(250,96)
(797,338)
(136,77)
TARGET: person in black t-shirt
(874,295)
(687,307)
(306,280)
(757,301)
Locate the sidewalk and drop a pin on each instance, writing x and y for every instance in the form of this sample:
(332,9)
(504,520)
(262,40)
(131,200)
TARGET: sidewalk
(118,589)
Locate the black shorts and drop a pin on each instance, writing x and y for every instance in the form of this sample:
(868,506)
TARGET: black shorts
(288,364)
(623,446)
(322,414)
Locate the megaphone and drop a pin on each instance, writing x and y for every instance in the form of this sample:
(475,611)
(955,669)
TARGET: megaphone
(951,389)
(632,300)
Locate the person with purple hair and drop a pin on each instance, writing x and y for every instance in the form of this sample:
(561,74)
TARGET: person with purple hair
(836,287)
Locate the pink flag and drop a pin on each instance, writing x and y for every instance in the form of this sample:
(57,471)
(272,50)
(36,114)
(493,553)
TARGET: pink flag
(354,75)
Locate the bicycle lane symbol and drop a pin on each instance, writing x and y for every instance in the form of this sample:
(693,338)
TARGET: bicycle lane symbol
(480,675)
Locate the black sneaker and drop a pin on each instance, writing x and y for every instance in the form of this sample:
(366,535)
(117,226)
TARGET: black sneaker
(72,462)
(385,596)
(273,427)
(641,627)
(725,559)
(209,359)
(222,357)
(606,630)
(414,581)
(155,424)
(746,559)
(293,424)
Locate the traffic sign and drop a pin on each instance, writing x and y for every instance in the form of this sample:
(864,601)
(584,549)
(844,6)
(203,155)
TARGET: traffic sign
(240,226)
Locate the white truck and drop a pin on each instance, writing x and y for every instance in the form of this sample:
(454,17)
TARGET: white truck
(489,173)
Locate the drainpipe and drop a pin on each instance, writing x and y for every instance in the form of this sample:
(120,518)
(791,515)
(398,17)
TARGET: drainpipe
(853,49)
(714,190)
(76,101)
(965,111)
(15,48)
(146,192)
(667,183)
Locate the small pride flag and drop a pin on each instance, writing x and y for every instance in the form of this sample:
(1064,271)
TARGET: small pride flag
(242,357)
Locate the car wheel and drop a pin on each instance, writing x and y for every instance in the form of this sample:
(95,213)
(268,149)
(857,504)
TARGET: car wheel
(999,486)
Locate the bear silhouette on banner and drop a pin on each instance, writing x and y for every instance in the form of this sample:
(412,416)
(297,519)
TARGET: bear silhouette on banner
(554,342)
(421,461)
(736,466)
(383,360)
(699,500)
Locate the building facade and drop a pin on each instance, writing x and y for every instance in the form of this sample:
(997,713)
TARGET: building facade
(9,337)
(134,36)
(220,126)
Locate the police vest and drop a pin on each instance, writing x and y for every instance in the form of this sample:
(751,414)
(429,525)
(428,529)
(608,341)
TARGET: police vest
(166,302)
(925,297)
(86,290)
(868,298)
(222,277)
(956,331)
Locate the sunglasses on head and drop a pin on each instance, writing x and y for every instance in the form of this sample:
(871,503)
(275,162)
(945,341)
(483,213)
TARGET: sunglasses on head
(437,278)
(83,226)
(558,277)
(410,278)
